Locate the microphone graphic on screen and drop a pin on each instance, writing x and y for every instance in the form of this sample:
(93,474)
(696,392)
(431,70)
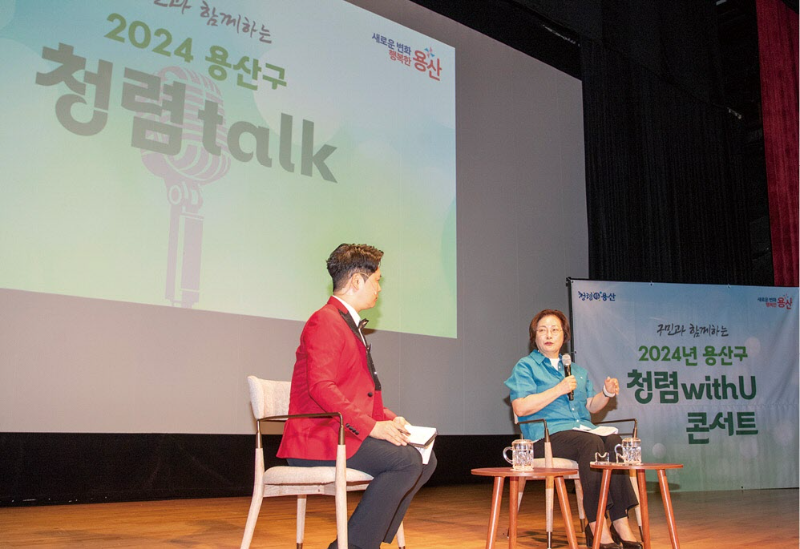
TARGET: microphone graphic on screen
(567,362)
(184,174)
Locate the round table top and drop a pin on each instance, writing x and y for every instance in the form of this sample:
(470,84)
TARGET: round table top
(629,466)
(535,473)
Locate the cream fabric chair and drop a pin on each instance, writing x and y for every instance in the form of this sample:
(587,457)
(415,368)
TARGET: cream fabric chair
(270,402)
(549,461)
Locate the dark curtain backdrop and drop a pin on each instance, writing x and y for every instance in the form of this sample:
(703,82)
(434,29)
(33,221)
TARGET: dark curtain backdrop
(664,173)
(673,128)
(778,51)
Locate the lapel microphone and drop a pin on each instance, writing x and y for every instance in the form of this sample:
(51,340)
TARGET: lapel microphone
(567,362)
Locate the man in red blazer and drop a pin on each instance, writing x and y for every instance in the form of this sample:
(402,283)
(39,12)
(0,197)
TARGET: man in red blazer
(334,373)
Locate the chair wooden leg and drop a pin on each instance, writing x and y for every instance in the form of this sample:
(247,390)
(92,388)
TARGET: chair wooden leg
(255,503)
(341,496)
(252,515)
(548,510)
(301,519)
(401,537)
(522,482)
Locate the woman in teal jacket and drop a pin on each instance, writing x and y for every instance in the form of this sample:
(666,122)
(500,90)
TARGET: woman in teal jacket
(539,390)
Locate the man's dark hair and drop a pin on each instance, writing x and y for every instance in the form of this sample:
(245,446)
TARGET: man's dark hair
(348,259)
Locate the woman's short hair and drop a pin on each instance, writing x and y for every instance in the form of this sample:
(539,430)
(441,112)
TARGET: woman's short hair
(549,312)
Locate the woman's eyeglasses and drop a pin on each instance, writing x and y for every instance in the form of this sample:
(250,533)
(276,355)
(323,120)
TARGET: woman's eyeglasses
(544,329)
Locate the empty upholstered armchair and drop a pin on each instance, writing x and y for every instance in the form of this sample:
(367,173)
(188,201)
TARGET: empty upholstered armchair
(270,402)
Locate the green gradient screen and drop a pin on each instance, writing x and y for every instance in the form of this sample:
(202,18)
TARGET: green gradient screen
(210,155)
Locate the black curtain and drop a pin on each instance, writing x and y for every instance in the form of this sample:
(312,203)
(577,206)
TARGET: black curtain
(665,190)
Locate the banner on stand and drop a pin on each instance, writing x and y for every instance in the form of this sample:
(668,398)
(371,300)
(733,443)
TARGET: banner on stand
(710,372)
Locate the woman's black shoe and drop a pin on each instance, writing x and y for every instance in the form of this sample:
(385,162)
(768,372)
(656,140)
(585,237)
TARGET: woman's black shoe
(590,540)
(624,543)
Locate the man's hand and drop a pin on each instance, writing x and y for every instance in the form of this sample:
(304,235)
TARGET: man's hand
(391,432)
(400,422)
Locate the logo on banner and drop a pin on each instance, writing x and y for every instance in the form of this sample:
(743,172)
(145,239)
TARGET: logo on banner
(783,302)
(597,296)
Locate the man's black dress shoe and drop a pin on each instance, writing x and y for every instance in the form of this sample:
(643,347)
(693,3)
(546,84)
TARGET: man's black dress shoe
(590,540)
(624,543)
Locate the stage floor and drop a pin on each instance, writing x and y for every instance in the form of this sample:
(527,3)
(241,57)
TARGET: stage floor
(440,517)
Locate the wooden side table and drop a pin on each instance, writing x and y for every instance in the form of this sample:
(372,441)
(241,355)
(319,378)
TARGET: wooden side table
(640,469)
(539,473)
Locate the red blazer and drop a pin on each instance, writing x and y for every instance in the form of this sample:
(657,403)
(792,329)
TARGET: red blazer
(330,375)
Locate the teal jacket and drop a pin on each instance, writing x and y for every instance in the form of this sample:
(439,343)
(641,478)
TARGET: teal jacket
(534,374)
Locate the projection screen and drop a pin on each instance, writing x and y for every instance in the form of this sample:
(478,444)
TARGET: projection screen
(139,286)
(190,154)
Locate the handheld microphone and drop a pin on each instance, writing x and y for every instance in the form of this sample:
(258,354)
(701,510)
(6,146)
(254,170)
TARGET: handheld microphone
(567,362)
